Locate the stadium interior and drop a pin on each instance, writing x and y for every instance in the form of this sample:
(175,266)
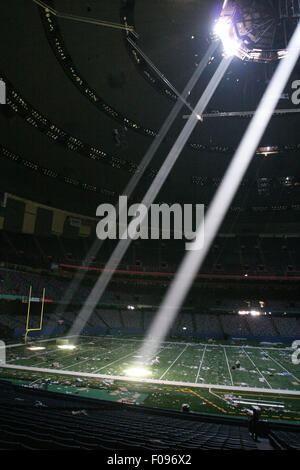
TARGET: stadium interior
(89,91)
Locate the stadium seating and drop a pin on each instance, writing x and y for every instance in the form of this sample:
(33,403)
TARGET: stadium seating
(285,440)
(47,421)
(229,255)
(208,325)
(183,325)
(114,314)
(132,321)
(287,327)
(235,325)
(261,327)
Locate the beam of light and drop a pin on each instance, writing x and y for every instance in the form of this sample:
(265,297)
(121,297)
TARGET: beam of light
(151,194)
(137,371)
(193,260)
(83,19)
(36,348)
(133,182)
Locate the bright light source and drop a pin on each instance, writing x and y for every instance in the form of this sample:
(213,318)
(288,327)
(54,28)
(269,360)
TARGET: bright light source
(66,346)
(137,371)
(223,29)
(36,348)
(254,313)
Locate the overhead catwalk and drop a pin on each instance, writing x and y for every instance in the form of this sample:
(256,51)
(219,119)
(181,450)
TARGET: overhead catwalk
(221,114)
(159,74)
(83,19)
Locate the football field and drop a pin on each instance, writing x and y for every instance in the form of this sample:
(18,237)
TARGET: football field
(203,373)
(197,364)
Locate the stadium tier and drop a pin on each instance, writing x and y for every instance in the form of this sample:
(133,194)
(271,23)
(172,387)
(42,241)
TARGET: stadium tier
(149,228)
(107,427)
(236,256)
(132,310)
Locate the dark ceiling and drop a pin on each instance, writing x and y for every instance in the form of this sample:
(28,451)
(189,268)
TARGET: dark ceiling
(51,62)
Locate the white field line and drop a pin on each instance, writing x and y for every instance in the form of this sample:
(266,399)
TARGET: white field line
(96,338)
(180,354)
(150,381)
(123,357)
(37,380)
(37,341)
(257,368)
(42,353)
(193,344)
(228,366)
(200,365)
(280,365)
(83,347)
(103,354)
(218,396)
(117,360)
(45,353)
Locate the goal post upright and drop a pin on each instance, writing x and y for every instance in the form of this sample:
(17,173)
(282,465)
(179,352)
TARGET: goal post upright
(28,314)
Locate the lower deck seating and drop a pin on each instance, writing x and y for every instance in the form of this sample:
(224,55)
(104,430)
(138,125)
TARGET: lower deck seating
(208,324)
(235,325)
(105,425)
(261,326)
(285,440)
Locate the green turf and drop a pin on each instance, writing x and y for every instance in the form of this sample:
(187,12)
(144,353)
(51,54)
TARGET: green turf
(194,363)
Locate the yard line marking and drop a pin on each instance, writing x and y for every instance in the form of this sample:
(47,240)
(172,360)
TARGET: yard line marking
(228,365)
(200,365)
(32,357)
(44,353)
(279,364)
(117,360)
(257,368)
(197,344)
(173,362)
(38,341)
(83,347)
(121,358)
(85,360)
(49,352)
(106,352)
